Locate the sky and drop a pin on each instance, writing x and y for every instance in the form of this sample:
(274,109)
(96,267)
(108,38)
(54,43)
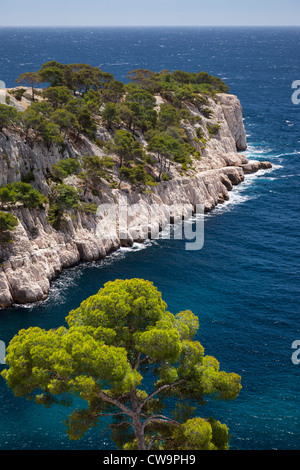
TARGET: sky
(150,13)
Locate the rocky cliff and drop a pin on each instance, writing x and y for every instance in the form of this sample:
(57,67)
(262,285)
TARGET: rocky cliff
(39,253)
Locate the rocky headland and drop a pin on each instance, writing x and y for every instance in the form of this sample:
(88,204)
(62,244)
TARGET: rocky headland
(39,252)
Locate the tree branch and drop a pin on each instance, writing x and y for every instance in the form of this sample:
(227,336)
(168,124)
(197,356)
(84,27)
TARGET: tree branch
(160,389)
(137,362)
(160,419)
(111,414)
(108,428)
(158,438)
(120,424)
(117,403)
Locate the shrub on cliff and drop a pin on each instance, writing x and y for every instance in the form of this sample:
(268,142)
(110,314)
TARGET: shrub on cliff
(18,93)
(64,168)
(58,95)
(37,119)
(213,129)
(64,120)
(110,115)
(94,169)
(200,82)
(168,116)
(66,197)
(136,175)
(23,193)
(8,116)
(168,148)
(93,101)
(54,216)
(8,223)
(142,105)
(125,147)
(50,133)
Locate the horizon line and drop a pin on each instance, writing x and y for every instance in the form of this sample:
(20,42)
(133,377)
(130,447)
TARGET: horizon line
(155,26)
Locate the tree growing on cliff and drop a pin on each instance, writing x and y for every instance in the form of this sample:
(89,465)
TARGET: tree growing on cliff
(136,175)
(94,169)
(8,116)
(167,148)
(30,79)
(142,104)
(64,119)
(20,192)
(125,147)
(113,91)
(110,115)
(57,95)
(85,122)
(8,222)
(55,74)
(117,339)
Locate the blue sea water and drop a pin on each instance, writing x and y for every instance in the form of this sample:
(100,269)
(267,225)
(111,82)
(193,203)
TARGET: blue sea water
(244,283)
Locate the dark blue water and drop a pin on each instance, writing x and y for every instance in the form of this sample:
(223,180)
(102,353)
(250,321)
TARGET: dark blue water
(244,283)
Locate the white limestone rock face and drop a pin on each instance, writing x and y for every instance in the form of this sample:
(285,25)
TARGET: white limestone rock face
(232,110)
(39,252)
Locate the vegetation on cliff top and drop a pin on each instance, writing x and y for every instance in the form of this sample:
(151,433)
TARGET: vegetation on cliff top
(144,121)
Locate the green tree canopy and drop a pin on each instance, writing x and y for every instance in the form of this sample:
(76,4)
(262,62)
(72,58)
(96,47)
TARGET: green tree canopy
(168,116)
(93,101)
(114,342)
(8,222)
(167,148)
(43,108)
(85,77)
(136,175)
(31,79)
(50,133)
(66,197)
(141,103)
(64,119)
(57,95)
(110,114)
(113,91)
(55,74)
(143,78)
(64,168)
(125,147)
(8,116)
(23,193)
(95,168)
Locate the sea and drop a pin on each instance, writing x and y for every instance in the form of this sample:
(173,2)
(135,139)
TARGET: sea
(244,284)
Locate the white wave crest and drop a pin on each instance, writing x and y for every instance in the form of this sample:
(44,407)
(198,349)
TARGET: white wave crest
(288,154)
(239,194)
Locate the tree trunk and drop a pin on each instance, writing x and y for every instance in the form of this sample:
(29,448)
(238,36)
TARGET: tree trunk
(161,167)
(77,137)
(139,433)
(136,422)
